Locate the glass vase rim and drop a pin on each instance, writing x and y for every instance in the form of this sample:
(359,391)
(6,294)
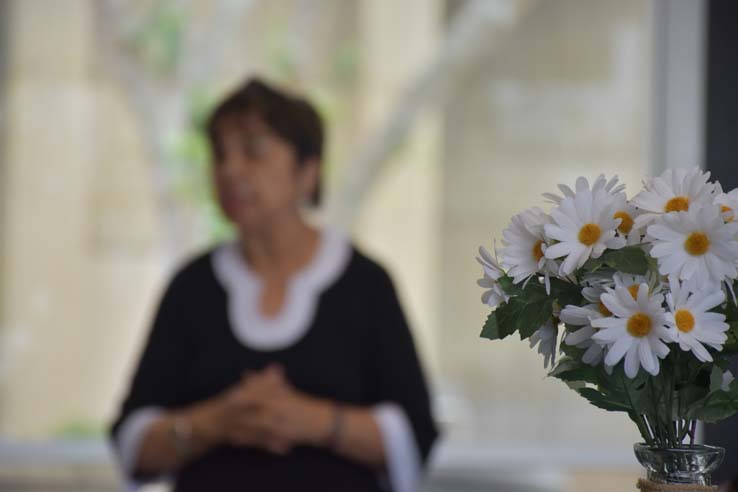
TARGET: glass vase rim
(683,449)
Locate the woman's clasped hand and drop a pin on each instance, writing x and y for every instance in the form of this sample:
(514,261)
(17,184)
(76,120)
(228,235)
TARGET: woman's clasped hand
(264,410)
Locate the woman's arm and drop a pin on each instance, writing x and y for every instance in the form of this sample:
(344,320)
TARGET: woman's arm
(287,417)
(403,407)
(349,431)
(237,417)
(176,437)
(360,438)
(264,411)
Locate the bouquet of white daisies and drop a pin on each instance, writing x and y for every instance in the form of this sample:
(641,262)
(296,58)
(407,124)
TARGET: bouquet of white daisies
(636,297)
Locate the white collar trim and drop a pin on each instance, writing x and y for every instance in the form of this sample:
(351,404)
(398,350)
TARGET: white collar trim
(243,289)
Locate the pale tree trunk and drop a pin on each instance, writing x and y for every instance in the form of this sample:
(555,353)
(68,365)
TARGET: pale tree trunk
(478,29)
(160,102)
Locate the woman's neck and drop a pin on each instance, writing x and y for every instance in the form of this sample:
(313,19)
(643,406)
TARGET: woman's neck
(280,250)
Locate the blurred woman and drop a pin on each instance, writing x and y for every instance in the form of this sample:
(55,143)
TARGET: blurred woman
(282,360)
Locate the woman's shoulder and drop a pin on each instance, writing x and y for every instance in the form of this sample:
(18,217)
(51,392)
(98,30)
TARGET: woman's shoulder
(194,271)
(367,270)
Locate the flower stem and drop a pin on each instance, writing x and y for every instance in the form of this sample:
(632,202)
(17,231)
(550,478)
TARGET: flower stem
(670,385)
(657,429)
(692,432)
(639,419)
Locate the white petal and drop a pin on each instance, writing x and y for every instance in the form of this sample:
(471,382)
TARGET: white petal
(618,350)
(580,336)
(660,231)
(593,355)
(660,348)
(700,352)
(558,250)
(616,243)
(571,261)
(648,361)
(632,363)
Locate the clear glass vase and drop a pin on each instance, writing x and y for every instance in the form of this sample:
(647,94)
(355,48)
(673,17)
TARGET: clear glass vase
(688,465)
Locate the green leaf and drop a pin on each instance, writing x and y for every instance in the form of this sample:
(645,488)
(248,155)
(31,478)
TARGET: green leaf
(720,361)
(692,397)
(630,259)
(572,351)
(575,385)
(594,264)
(525,313)
(716,404)
(602,401)
(573,371)
(715,407)
(731,344)
(563,365)
(491,329)
(566,293)
(716,379)
(731,310)
(510,288)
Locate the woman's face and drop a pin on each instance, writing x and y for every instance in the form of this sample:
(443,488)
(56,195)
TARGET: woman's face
(257,178)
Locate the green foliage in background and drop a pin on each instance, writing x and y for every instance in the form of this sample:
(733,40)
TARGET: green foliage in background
(79,429)
(191,168)
(157,40)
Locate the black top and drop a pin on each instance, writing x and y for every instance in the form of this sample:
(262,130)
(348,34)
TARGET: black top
(358,350)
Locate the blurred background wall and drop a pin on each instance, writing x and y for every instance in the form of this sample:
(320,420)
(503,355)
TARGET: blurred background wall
(445,118)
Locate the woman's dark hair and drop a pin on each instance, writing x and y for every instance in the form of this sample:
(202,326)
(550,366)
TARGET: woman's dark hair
(291,117)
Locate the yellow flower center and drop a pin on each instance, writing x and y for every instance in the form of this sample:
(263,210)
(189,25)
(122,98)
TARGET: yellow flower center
(697,244)
(633,289)
(538,251)
(589,234)
(729,216)
(677,204)
(684,320)
(639,325)
(603,309)
(626,222)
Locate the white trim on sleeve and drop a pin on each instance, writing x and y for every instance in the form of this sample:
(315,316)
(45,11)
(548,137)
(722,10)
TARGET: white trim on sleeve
(130,435)
(400,446)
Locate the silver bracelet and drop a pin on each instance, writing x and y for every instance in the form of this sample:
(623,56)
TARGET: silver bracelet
(181,432)
(334,437)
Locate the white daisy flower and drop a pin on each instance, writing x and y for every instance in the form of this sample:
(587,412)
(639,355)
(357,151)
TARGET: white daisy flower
(594,288)
(585,227)
(728,203)
(494,295)
(545,337)
(524,245)
(582,338)
(599,280)
(636,330)
(600,183)
(697,246)
(633,282)
(693,323)
(627,280)
(676,190)
(627,214)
